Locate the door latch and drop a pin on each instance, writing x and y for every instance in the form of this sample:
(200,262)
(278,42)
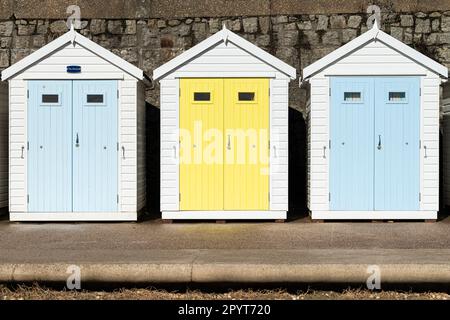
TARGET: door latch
(77,141)
(379,142)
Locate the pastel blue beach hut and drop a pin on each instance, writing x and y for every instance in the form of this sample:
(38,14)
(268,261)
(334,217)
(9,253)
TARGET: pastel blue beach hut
(373,124)
(76,134)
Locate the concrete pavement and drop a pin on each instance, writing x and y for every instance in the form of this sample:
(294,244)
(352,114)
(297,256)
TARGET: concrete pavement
(295,252)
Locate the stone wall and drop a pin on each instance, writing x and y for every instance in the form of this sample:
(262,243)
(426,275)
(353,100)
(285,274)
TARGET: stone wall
(297,39)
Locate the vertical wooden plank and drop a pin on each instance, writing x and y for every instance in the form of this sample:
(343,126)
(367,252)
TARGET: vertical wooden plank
(50,154)
(246,126)
(397,131)
(201,144)
(95,149)
(351,153)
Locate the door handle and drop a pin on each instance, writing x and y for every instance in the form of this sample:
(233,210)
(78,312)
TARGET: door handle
(77,141)
(22,156)
(229,142)
(324,152)
(425,149)
(379,142)
(123,152)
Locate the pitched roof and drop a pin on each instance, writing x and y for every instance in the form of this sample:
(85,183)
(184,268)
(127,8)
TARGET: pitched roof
(72,37)
(371,35)
(224,35)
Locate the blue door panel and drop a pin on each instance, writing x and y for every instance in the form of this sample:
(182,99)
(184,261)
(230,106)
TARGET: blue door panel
(375,134)
(95,122)
(49,146)
(397,123)
(351,152)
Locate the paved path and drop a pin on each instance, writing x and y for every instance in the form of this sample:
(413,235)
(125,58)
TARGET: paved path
(299,251)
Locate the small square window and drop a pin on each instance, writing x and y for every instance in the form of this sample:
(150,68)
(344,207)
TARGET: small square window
(246,96)
(50,98)
(95,98)
(202,96)
(352,96)
(397,96)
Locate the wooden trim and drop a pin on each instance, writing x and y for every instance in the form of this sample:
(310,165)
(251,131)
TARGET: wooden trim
(224,215)
(373,215)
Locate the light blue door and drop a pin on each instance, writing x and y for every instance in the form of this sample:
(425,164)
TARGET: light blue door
(397,123)
(374,143)
(351,147)
(95,146)
(49,146)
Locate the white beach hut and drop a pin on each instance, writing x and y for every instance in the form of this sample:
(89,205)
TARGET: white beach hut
(373,124)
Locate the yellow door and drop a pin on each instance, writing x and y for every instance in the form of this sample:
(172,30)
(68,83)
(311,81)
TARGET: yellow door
(201,144)
(246,145)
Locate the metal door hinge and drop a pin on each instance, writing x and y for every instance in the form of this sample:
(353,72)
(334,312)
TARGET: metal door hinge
(420,91)
(329,196)
(420,197)
(117,198)
(28,145)
(420,144)
(329,144)
(269,196)
(118,94)
(117,146)
(329,92)
(28,198)
(28,94)
(179,197)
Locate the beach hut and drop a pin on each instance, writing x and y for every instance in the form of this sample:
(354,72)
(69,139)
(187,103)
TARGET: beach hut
(76,134)
(373,131)
(224,132)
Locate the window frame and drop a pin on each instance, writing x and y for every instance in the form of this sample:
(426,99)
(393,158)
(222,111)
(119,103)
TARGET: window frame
(404,101)
(210,101)
(94,104)
(254,101)
(360,101)
(50,104)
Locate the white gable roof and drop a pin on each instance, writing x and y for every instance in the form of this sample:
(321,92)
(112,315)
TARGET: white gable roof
(374,34)
(224,36)
(72,37)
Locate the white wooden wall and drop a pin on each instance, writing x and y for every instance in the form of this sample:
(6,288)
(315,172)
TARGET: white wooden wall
(3,144)
(128,141)
(373,59)
(308,148)
(93,67)
(17,141)
(318,140)
(279,141)
(169,145)
(141,147)
(225,61)
(430,107)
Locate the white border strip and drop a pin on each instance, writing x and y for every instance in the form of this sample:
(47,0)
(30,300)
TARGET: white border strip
(72,216)
(368,215)
(224,215)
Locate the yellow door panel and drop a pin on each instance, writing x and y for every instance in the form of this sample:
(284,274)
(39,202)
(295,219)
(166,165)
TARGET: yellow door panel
(246,139)
(201,144)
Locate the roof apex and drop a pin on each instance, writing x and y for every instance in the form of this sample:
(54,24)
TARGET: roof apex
(371,35)
(73,37)
(225,36)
